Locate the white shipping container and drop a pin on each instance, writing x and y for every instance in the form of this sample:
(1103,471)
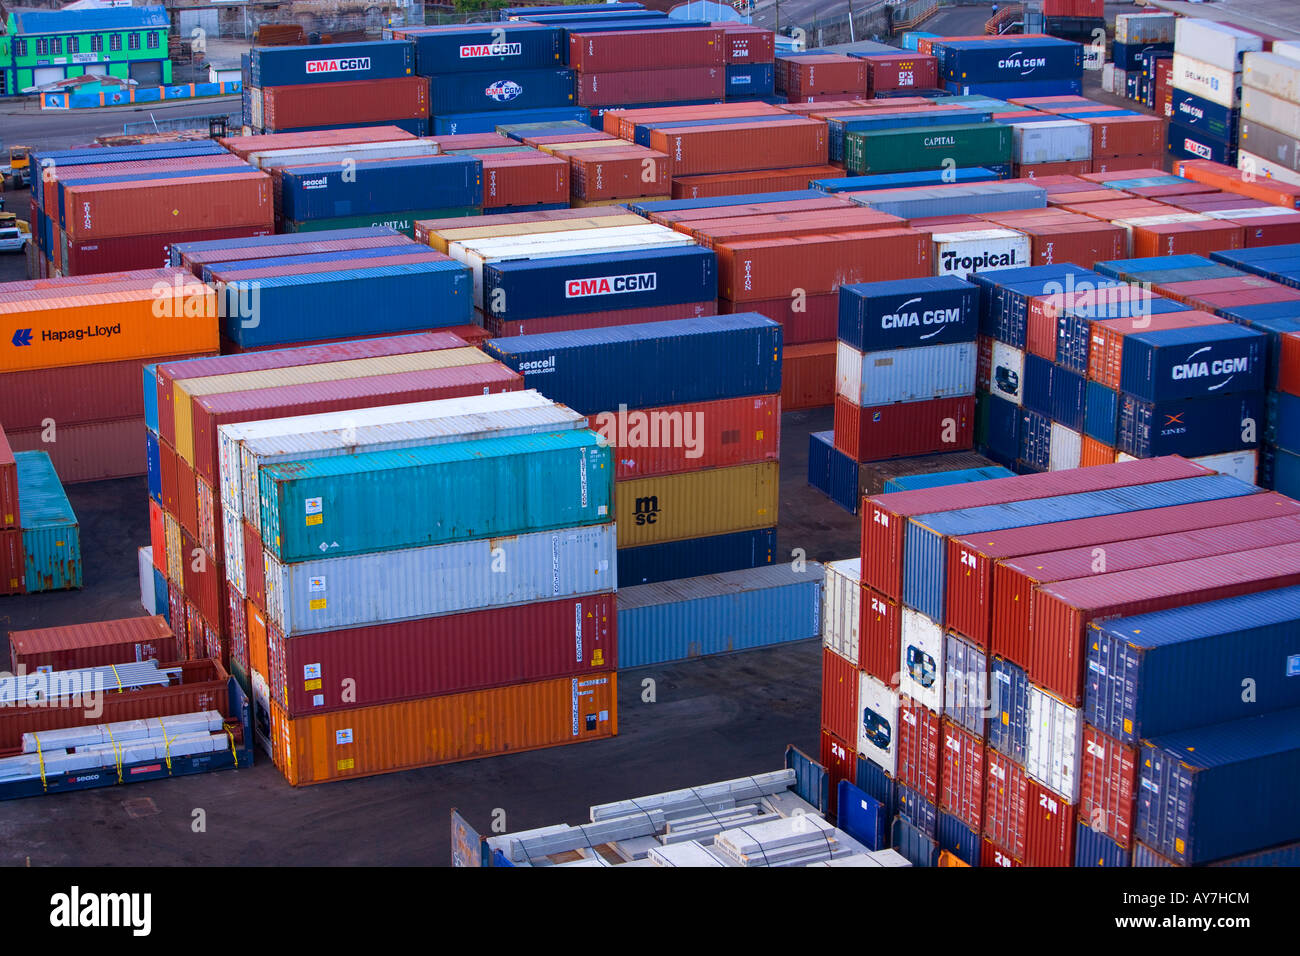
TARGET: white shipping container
(147,598)
(921,658)
(1121,82)
(1271,111)
(1214,43)
(1242,465)
(841,602)
(1094,58)
(1056,141)
(233,543)
(1206,81)
(1108,77)
(1276,75)
(878,725)
(1144,28)
(255,106)
(318,155)
(1054,742)
(1007,373)
(1289,49)
(1262,168)
(905,375)
(980,250)
(1066,448)
(382,586)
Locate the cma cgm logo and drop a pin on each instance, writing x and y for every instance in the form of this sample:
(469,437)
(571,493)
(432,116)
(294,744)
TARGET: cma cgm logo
(352,64)
(503,91)
(610,285)
(1025,65)
(472,51)
(1198,149)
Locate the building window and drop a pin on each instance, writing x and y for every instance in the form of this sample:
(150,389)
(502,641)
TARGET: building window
(115,42)
(97,44)
(42,46)
(74,44)
(56,44)
(20,47)
(153,41)
(133,41)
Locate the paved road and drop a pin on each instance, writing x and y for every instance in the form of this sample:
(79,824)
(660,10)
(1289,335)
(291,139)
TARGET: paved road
(59,128)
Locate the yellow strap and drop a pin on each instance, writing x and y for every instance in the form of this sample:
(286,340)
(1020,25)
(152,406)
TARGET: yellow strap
(40,758)
(117,751)
(118,677)
(234,753)
(168,742)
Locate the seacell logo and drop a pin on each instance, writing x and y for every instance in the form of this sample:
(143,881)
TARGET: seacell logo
(320,183)
(352,64)
(610,285)
(503,91)
(472,51)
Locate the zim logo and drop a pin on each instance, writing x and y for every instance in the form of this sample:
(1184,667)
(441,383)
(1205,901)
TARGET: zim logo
(503,91)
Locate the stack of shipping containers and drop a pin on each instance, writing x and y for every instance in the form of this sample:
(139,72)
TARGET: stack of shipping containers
(40,538)
(1207,89)
(1142,56)
(615,68)
(749,58)
(1270,114)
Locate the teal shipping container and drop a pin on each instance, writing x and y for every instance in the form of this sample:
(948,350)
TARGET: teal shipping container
(717,613)
(51,536)
(938,479)
(416,497)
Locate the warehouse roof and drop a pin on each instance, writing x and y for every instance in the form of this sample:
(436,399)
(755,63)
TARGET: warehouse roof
(31,22)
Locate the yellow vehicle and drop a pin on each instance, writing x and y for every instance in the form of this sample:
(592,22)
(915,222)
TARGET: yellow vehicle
(17,168)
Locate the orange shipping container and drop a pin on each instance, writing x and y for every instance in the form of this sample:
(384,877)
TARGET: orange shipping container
(808,375)
(434,730)
(1095,453)
(101,210)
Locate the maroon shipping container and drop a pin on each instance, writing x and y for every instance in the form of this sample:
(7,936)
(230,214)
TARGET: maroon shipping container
(193,630)
(746,43)
(1288,378)
(1049,828)
(90,256)
(651,86)
(212,411)
(751,181)
(244,146)
(623,172)
(974,561)
(816,321)
(9,513)
(254,567)
(176,607)
(211,530)
(821,73)
(235,603)
(904,429)
(619,50)
(187,502)
(771,268)
(888,71)
(714,232)
(684,220)
(90,452)
(1006,803)
(355,101)
(839,695)
(203,685)
(548,139)
(169,373)
(204,582)
(162,206)
(520,179)
(623,123)
(1060,613)
(167,476)
(880,636)
(477,141)
(13,564)
(1122,136)
(599,320)
(443,655)
(737,147)
(993,855)
(920,740)
(884,517)
(1107,785)
(962,773)
(93,645)
(840,760)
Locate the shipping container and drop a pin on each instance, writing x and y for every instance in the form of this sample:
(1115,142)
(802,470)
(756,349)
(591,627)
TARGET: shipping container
(1006,804)
(877,731)
(285,65)
(903,429)
(742,146)
(915,809)
(842,609)
(695,504)
(907,313)
(919,748)
(840,711)
(905,375)
(455,48)
(922,655)
(1107,786)
(1053,744)
(962,775)
(694,557)
(93,645)
(51,535)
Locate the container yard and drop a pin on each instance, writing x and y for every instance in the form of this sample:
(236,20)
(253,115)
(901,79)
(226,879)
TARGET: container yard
(606,436)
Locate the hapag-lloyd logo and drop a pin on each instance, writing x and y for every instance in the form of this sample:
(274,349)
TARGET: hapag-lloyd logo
(610,285)
(471,51)
(352,64)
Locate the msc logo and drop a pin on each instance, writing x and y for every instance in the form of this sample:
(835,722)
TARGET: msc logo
(352,64)
(474,50)
(646,510)
(610,285)
(503,91)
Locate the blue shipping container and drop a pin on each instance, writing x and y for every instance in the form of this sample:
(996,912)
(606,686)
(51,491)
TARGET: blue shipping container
(1190,427)
(1201,115)
(862,817)
(504,90)
(939,479)
(597,370)
(51,534)
(749,79)
(1035,440)
(1068,398)
(160,592)
(958,839)
(333,63)
(922,177)
(1128,56)
(914,844)
(917,810)
(1101,413)
(1286,420)
(1004,426)
(150,386)
(1009,706)
(966,695)
(379,186)
(1221,791)
(873,780)
(1182,142)
(694,557)
(476,46)
(832,472)
(1037,387)
(906,313)
(153,466)
(1093,849)
(718,613)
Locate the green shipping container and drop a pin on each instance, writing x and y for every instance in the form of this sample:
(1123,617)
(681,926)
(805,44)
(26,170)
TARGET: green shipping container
(51,537)
(927,147)
(403,222)
(416,497)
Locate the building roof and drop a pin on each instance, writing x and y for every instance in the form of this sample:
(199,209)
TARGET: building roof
(32,22)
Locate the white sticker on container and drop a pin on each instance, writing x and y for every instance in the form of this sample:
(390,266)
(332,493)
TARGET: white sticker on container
(603,511)
(1293,666)
(318,700)
(343,736)
(604,715)
(311,672)
(313,506)
(317,583)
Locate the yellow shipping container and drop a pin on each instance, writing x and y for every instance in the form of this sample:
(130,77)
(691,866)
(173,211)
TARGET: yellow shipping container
(441,240)
(433,730)
(172,541)
(186,389)
(695,504)
(171,317)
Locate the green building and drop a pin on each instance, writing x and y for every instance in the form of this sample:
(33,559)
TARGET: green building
(42,46)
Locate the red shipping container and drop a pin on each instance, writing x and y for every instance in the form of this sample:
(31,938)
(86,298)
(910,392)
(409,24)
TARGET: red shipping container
(95,644)
(159,206)
(541,142)
(807,375)
(1106,351)
(89,256)
(13,574)
(884,517)
(1108,786)
(1186,238)
(817,322)
(919,744)
(880,635)
(962,772)
(1006,803)
(187,501)
(1191,291)
(1032,171)
(715,232)
(887,71)
(651,86)
(1186,188)
(772,268)
(1075,243)
(238,608)
(877,432)
(821,73)
(1123,164)
(653,441)
(620,173)
(1288,378)
(254,567)
(840,761)
(975,562)
(9,513)
(167,468)
(89,452)
(839,696)
(993,855)
(1232,179)
(1060,613)
(742,146)
(211,529)
(193,631)
(520,179)
(204,581)
(353,101)
(467,141)
(752,181)
(177,618)
(443,655)
(157,536)
(244,146)
(1121,136)
(47,197)
(1049,828)
(618,50)
(623,123)
(496,328)
(746,43)
(686,220)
